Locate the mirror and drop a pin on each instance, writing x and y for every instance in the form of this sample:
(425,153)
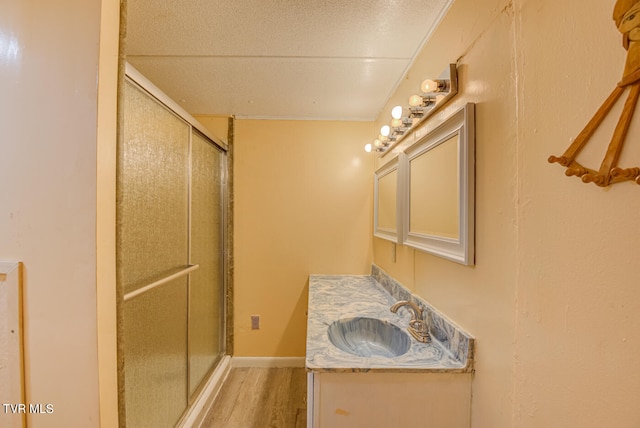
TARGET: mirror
(438,181)
(440,172)
(386,202)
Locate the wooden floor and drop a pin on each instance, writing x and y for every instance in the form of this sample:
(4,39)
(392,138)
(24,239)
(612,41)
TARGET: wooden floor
(261,398)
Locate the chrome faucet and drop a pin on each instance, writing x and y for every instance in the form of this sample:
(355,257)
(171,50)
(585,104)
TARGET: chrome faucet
(417,327)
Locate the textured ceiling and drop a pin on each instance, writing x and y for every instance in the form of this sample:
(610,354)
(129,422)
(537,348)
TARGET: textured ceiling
(280,59)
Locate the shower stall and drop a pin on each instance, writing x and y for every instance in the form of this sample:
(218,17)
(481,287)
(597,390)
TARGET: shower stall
(171,248)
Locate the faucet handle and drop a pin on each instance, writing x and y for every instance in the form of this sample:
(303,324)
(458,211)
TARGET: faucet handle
(419,326)
(419,310)
(419,331)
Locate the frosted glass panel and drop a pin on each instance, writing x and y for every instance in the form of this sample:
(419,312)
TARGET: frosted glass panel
(152,202)
(434,191)
(155,356)
(206,288)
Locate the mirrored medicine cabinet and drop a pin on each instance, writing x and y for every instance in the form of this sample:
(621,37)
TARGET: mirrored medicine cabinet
(424,198)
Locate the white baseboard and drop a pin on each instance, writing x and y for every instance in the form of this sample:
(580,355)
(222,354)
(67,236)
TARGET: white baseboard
(268,362)
(201,405)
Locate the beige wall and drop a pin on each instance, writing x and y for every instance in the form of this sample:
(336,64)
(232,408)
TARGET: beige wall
(578,296)
(303,205)
(49,63)
(553,298)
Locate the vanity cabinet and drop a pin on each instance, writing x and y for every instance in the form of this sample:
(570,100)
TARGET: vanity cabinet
(388,399)
(427,385)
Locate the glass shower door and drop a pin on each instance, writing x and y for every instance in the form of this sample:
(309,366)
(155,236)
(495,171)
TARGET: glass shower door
(170,259)
(152,237)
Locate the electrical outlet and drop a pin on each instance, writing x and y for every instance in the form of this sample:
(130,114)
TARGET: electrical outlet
(255,322)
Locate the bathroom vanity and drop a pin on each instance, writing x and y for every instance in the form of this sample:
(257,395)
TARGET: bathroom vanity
(365,369)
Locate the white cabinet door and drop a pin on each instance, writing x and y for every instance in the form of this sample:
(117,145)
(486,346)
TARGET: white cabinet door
(347,400)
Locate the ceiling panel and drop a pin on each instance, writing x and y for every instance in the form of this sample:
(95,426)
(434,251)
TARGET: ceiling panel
(275,88)
(303,59)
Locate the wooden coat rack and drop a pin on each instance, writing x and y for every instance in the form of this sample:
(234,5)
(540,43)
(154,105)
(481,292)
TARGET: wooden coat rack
(626,14)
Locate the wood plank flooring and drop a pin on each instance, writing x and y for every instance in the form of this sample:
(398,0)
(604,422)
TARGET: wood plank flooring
(261,398)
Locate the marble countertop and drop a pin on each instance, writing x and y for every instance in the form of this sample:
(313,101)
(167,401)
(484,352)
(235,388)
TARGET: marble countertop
(344,296)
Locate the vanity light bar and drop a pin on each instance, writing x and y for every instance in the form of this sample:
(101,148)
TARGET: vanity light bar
(435,93)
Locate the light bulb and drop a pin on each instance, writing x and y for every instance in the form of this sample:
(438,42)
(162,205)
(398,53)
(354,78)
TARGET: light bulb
(367,148)
(377,143)
(396,123)
(385,130)
(415,100)
(429,86)
(396,112)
